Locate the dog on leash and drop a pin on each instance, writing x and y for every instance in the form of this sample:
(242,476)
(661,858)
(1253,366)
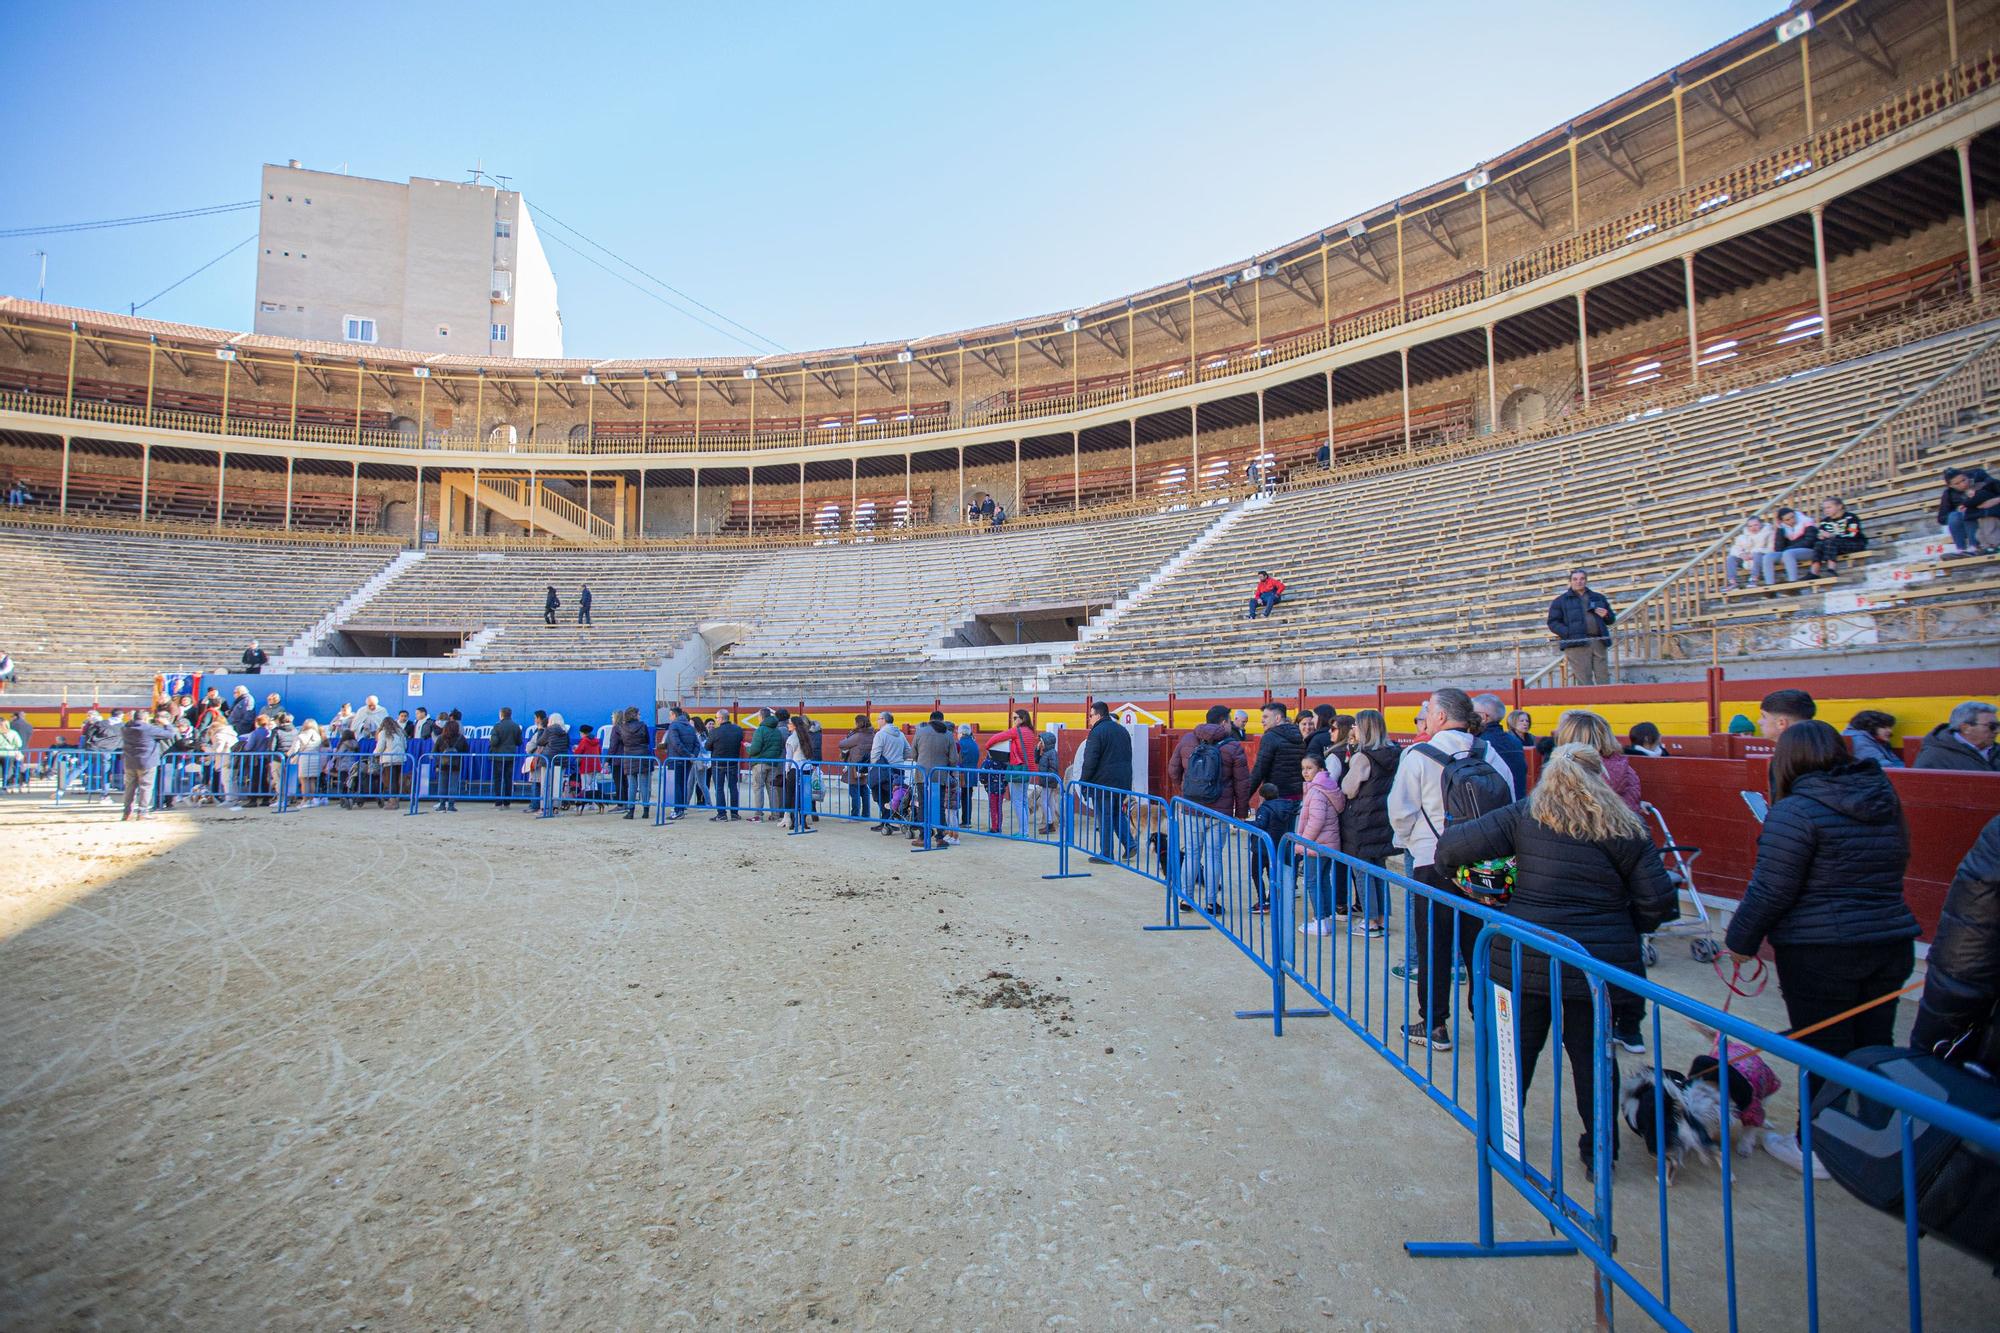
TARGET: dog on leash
(1686,1118)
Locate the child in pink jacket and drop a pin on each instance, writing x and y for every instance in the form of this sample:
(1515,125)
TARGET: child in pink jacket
(1319,821)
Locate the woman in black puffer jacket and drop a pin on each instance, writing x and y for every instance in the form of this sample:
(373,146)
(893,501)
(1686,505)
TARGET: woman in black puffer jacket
(1957,1019)
(1584,868)
(1828,894)
(1365,831)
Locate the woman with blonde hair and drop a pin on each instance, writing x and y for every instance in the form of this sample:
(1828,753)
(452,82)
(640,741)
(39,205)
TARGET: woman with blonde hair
(1580,726)
(1584,868)
(1365,831)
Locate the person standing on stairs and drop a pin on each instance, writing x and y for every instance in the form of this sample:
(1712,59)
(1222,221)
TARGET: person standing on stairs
(583,605)
(549,605)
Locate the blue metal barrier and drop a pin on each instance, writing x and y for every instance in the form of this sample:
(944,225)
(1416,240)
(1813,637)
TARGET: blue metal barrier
(442,779)
(19,771)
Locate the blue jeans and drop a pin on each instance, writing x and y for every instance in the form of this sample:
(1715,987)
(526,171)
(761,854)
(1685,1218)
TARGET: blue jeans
(1267,600)
(683,783)
(1964,526)
(1767,563)
(1318,871)
(1108,808)
(857,794)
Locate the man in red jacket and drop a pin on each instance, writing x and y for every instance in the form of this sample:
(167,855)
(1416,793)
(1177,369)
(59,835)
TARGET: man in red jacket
(1270,592)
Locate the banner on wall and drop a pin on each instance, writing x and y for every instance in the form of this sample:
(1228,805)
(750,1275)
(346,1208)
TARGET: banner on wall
(414,687)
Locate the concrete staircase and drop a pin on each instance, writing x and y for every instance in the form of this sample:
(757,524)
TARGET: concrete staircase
(299,652)
(1103,622)
(524,500)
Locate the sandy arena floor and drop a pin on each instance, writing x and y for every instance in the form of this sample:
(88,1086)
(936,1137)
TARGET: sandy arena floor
(356,1070)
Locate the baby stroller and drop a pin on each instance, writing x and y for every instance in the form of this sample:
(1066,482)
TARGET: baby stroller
(1680,869)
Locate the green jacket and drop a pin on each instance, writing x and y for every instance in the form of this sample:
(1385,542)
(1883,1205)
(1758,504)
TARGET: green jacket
(767,742)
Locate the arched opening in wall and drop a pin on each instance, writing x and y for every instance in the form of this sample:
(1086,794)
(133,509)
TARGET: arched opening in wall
(503,434)
(405,427)
(1522,408)
(396,517)
(579,433)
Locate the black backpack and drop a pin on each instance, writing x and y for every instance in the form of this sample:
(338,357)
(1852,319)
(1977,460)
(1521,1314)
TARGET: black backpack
(1472,786)
(1203,779)
(1860,1143)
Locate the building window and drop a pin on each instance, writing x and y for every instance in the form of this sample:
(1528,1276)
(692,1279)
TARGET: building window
(360,330)
(499,333)
(503,228)
(268,307)
(444,330)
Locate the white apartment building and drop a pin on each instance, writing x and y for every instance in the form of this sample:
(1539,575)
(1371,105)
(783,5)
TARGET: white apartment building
(431,266)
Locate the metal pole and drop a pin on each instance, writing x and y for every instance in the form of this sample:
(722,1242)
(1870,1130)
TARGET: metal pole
(1194,439)
(1694,341)
(69,381)
(697,491)
(292,420)
(354,500)
(1492,385)
(1819,274)
(62,499)
(1403,358)
(1075,471)
(1583,342)
(1329,419)
(289,462)
(221,466)
(152,358)
(225,395)
(358,377)
(1132,440)
(1964,147)
(145,475)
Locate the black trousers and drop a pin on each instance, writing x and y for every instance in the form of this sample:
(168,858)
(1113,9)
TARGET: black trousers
(1433,926)
(503,779)
(1534,1011)
(1820,980)
(722,778)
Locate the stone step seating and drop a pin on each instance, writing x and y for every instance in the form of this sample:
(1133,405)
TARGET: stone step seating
(1470,552)
(106,611)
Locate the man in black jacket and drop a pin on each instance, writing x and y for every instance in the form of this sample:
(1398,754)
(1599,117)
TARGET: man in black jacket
(583,605)
(725,745)
(1279,750)
(242,711)
(1958,1019)
(505,740)
(1493,730)
(1107,764)
(549,605)
(254,659)
(1581,621)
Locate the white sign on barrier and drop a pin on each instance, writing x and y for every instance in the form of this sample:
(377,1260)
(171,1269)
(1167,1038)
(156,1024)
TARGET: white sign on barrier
(1505,1084)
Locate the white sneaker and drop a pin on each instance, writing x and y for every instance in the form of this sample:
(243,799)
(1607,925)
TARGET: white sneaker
(1324,926)
(1786,1150)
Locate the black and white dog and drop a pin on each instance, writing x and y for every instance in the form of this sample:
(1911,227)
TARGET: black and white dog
(1685,1119)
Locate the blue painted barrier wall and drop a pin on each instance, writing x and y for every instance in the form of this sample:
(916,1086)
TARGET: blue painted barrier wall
(580,696)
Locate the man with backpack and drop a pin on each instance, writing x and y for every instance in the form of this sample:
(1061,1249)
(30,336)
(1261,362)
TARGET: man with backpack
(1450,777)
(1209,769)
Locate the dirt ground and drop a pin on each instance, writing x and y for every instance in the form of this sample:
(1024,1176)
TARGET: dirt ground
(357,1070)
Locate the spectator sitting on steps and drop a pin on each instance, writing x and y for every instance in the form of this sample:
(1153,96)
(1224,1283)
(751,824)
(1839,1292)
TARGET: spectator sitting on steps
(1270,591)
(1747,552)
(1969,510)
(1581,620)
(1839,534)
(1792,541)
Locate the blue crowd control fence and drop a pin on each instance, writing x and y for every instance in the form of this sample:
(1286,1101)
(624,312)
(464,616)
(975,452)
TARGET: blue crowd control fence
(584,782)
(19,771)
(723,787)
(89,775)
(485,778)
(885,795)
(1112,826)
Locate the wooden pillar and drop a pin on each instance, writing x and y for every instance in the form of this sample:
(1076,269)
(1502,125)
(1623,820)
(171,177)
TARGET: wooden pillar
(62,497)
(1194,441)
(1017,476)
(802,496)
(642,499)
(961,477)
(221,466)
(1964,147)
(1075,470)
(420,507)
(289,463)
(1132,441)
(697,491)
(1583,344)
(1819,275)
(1694,337)
(751,472)
(354,500)
(1492,385)
(1260,433)
(69,379)
(145,476)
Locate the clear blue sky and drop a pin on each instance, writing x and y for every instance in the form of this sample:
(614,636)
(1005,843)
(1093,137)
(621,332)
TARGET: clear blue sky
(826,174)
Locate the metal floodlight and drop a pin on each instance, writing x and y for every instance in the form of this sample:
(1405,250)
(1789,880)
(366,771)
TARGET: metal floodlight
(906,356)
(1478,180)
(1356,230)
(420,372)
(671,376)
(587,377)
(225,354)
(1072,324)
(1798,25)
(1251,274)
(749,372)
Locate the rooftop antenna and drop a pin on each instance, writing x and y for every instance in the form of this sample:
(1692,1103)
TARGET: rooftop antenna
(42,283)
(477,172)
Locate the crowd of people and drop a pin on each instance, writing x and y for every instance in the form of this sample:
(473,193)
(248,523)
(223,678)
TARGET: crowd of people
(1454,809)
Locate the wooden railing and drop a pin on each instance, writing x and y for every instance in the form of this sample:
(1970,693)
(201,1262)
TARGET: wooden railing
(1921,98)
(160,527)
